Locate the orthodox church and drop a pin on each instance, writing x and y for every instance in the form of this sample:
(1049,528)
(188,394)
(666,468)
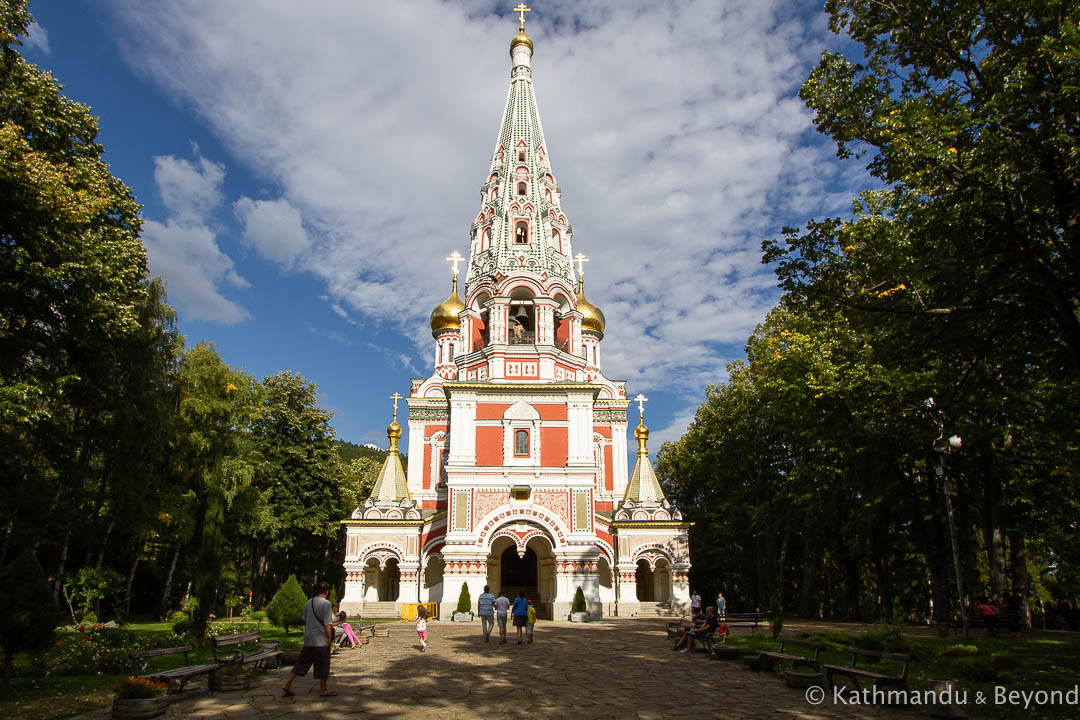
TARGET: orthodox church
(517,459)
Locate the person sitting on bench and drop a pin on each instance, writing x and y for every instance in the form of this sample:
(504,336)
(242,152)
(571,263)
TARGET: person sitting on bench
(702,628)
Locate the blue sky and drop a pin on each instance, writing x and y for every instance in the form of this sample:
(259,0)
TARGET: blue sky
(305,168)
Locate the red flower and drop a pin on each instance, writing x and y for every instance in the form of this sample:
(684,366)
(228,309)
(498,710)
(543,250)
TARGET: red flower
(60,644)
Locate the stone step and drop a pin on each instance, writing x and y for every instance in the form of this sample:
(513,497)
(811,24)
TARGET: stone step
(386,609)
(656,609)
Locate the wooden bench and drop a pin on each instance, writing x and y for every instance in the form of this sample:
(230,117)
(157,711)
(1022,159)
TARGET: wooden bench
(183,674)
(749,619)
(796,660)
(674,628)
(369,629)
(992,623)
(227,650)
(854,673)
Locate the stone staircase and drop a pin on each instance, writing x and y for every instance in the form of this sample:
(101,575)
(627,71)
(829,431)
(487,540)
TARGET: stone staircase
(386,609)
(543,610)
(656,609)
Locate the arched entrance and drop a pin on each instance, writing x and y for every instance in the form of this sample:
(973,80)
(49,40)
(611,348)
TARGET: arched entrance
(513,568)
(646,591)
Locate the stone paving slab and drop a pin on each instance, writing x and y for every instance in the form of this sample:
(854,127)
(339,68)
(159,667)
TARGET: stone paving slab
(598,671)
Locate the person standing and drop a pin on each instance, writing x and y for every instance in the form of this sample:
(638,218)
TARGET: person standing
(318,621)
(485,608)
(421,626)
(721,604)
(521,613)
(502,605)
(531,621)
(695,604)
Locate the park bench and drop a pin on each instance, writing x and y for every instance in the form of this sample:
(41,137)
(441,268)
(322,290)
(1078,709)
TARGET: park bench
(369,629)
(228,650)
(183,674)
(796,660)
(991,623)
(879,678)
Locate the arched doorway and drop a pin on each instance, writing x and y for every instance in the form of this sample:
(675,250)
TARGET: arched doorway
(646,590)
(511,569)
(389,581)
(433,579)
(517,573)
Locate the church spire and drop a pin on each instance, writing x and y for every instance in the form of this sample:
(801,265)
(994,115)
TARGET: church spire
(521,227)
(391,485)
(643,486)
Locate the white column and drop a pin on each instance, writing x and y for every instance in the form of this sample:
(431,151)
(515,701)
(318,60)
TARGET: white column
(414,473)
(462,429)
(580,429)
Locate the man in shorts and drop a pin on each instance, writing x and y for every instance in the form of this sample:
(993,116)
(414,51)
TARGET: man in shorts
(502,607)
(485,608)
(318,632)
(702,629)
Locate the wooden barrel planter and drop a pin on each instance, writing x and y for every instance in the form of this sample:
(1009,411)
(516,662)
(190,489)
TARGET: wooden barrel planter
(757,663)
(225,682)
(140,707)
(727,653)
(802,681)
(382,633)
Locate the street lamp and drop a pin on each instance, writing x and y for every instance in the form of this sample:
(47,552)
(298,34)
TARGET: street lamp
(945,446)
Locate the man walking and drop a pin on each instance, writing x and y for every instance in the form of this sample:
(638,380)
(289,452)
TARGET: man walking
(695,604)
(502,606)
(485,608)
(318,632)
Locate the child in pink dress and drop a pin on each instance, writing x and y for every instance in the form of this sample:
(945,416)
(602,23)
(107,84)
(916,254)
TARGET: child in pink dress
(421,626)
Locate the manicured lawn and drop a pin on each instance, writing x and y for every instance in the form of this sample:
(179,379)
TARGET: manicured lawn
(1040,661)
(37,697)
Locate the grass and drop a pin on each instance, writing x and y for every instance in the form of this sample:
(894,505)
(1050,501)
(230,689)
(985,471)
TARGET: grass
(1039,661)
(64,696)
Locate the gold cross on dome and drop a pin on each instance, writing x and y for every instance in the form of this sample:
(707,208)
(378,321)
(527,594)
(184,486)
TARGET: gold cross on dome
(395,397)
(641,400)
(455,258)
(580,259)
(521,10)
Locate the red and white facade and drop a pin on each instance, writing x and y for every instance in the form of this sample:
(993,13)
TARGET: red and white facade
(517,451)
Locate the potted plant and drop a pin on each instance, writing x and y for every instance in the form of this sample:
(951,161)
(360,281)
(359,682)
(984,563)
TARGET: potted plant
(579,611)
(136,697)
(233,676)
(463,612)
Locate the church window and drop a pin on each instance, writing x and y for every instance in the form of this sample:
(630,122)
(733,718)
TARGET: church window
(556,239)
(521,156)
(485,239)
(522,188)
(450,354)
(550,197)
(521,233)
(521,443)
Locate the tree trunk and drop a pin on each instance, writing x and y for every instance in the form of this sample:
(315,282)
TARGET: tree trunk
(1020,580)
(104,544)
(131,578)
(806,586)
(993,537)
(59,576)
(169,577)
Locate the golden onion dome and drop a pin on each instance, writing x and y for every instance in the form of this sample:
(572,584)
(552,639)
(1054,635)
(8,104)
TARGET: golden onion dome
(591,317)
(521,39)
(641,432)
(393,431)
(445,314)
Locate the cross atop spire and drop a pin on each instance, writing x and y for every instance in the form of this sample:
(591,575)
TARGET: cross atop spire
(580,259)
(521,10)
(395,397)
(455,258)
(641,400)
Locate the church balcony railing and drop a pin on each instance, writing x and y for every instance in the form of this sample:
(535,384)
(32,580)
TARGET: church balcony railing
(522,337)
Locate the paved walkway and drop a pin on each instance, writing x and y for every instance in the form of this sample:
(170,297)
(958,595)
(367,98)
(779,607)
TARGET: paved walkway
(615,669)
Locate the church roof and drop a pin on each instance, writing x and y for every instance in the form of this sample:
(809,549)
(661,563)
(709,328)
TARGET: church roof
(391,485)
(644,484)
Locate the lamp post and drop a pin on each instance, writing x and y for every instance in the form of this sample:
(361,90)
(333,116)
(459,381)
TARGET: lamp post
(944,446)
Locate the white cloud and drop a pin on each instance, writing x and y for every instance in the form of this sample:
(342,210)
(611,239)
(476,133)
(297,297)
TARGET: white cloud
(37,37)
(190,190)
(187,256)
(273,228)
(673,129)
(184,248)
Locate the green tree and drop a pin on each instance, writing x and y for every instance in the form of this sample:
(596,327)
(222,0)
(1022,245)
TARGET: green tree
(578,605)
(28,612)
(464,602)
(286,610)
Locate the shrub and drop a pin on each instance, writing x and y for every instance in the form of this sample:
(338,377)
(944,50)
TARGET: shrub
(1002,661)
(88,651)
(976,669)
(464,602)
(28,612)
(176,616)
(834,642)
(132,688)
(885,637)
(286,610)
(959,651)
(579,605)
(258,616)
(183,627)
